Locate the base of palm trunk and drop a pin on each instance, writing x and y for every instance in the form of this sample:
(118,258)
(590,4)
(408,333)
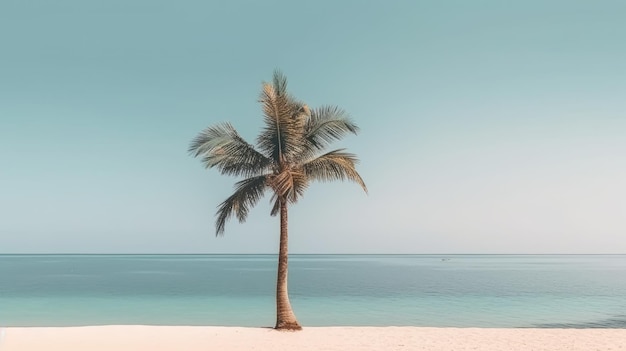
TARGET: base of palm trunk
(288,326)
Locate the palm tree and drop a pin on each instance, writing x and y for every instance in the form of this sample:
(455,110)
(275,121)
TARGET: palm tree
(287,158)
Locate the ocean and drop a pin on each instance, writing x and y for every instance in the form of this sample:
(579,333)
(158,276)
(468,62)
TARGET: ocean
(513,291)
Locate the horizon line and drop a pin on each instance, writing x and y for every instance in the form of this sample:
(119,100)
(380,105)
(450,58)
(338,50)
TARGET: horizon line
(302,254)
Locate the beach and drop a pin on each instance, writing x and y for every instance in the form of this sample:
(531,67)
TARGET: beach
(170,338)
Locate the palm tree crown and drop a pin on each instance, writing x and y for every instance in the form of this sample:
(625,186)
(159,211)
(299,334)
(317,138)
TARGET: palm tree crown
(289,153)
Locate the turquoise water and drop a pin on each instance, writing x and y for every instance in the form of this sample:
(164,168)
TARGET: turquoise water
(326,290)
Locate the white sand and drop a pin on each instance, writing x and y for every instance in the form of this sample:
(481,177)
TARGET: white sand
(119,338)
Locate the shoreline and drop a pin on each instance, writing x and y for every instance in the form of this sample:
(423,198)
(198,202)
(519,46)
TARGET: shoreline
(191,338)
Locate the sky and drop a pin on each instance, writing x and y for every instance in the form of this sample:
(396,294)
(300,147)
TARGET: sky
(486,126)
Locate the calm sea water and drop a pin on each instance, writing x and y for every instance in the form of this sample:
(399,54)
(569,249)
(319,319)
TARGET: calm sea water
(326,290)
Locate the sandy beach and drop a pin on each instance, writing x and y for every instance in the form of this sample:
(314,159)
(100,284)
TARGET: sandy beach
(162,338)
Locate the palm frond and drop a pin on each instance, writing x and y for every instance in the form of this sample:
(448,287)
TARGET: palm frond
(279,82)
(334,165)
(284,123)
(222,147)
(247,193)
(275,206)
(327,124)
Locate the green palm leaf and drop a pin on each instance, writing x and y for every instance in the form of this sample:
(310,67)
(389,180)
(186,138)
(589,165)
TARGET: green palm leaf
(327,124)
(334,165)
(221,146)
(247,193)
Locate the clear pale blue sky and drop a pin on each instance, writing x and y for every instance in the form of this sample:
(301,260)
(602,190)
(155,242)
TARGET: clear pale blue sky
(487,126)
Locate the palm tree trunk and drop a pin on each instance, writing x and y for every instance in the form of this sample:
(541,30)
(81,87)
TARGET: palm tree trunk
(285,318)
